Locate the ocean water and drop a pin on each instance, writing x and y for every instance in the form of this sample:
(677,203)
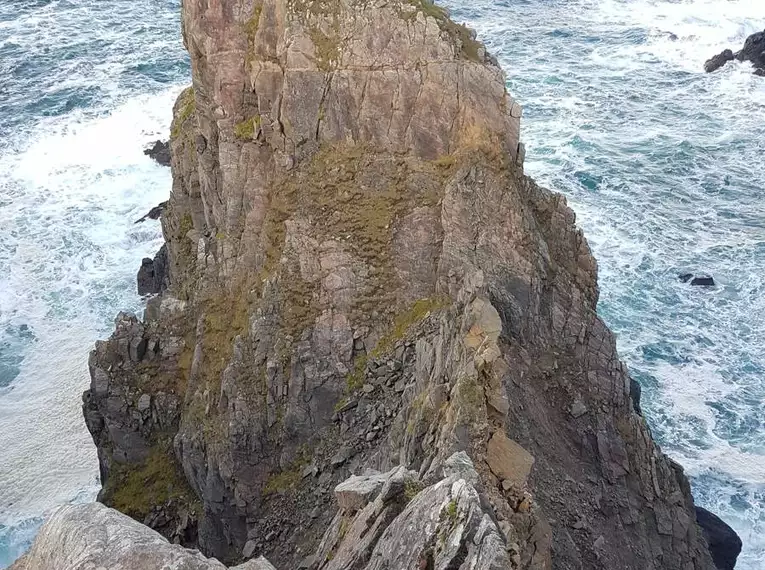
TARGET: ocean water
(662,163)
(84,85)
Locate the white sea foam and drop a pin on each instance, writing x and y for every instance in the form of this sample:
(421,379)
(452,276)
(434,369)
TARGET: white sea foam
(73,252)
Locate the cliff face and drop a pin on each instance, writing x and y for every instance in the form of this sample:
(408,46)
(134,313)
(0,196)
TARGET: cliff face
(361,277)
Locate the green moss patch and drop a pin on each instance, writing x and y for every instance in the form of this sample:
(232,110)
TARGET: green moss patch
(186,107)
(136,489)
(461,36)
(246,129)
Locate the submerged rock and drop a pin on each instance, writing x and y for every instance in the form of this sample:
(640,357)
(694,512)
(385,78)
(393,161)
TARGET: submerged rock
(724,543)
(697,280)
(160,152)
(753,51)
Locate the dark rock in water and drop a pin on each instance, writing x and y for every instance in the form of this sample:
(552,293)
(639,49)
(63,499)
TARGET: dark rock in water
(154,213)
(753,51)
(718,61)
(724,543)
(152,276)
(160,152)
(700,281)
(635,394)
(703,281)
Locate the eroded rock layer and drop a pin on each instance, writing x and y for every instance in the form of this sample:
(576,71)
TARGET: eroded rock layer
(361,277)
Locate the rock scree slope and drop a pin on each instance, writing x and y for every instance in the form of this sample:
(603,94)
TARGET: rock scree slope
(361,288)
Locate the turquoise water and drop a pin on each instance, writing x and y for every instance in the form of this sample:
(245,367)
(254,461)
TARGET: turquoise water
(662,163)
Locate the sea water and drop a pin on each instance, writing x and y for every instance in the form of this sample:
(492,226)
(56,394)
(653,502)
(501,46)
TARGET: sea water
(662,163)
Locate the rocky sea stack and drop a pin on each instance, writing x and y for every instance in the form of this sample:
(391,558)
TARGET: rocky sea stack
(374,342)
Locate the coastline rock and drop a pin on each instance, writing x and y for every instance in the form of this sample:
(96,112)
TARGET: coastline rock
(349,210)
(717,61)
(154,214)
(724,543)
(753,51)
(160,152)
(153,275)
(79,537)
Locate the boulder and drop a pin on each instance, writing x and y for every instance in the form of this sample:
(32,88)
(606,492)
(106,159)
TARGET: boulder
(724,543)
(508,460)
(703,281)
(697,280)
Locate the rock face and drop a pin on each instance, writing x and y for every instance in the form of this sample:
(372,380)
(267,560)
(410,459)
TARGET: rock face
(753,51)
(79,537)
(724,543)
(153,276)
(361,277)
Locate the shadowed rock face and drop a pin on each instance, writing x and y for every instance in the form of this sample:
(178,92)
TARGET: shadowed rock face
(724,543)
(361,277)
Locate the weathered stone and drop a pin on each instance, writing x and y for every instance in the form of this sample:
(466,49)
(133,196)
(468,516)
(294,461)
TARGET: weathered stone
(347,181)
(753,51)
(354,493)
(578,408)
(94,536)
(160,152)
(508,460)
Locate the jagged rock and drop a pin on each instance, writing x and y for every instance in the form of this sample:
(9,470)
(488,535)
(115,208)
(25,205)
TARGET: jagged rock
(435,527)
(753,51)
(153,275)
(698,281)
(160,152)
(80,537)
(154,214)
(704,281)
(724,544)
(635,394)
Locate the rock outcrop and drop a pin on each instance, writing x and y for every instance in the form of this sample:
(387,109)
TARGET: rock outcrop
(160,152)
(753,51)
(153,275)
(724,544)
(79,537)
(361,277)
